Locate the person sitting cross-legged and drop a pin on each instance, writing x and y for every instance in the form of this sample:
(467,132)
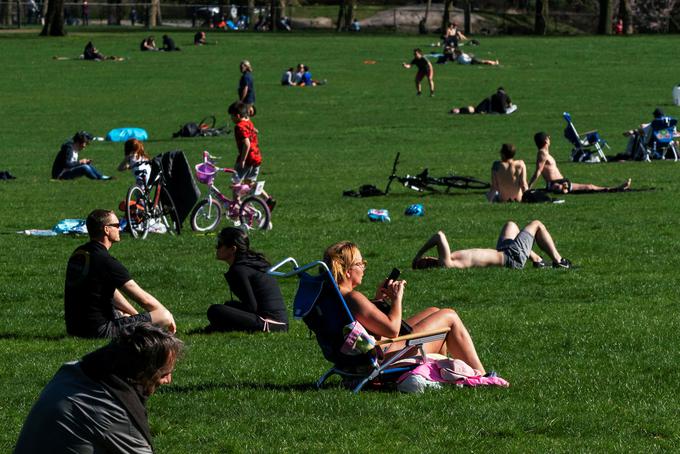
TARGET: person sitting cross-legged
(513,249)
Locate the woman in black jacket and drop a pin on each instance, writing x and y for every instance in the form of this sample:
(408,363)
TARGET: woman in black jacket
(260,304)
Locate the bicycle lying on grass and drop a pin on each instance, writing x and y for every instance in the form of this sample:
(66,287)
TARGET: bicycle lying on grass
(246,208)
(150,208)
(424,182)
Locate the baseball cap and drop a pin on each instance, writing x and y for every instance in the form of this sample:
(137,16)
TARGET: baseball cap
(82,136)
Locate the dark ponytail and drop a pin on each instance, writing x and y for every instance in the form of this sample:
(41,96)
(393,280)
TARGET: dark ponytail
(232,236)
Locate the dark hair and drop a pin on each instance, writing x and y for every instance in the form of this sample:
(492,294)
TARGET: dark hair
(232,236)
(540,139)
(82,137)
(238,108)
(96,221)
(508,151)
(658,113)
(417,49)
(140,350)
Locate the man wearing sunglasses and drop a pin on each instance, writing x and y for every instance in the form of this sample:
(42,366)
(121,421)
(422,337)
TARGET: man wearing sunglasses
(95,303)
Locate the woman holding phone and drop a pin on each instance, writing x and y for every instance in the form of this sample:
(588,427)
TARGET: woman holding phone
(347,266)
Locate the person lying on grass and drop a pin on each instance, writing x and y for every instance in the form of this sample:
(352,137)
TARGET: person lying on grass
(497,103)
(513,249)
(347,266)
(546,166)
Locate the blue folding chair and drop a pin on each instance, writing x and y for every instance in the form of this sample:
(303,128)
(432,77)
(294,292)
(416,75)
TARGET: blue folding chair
(319,303)
(661,140)
(584,145)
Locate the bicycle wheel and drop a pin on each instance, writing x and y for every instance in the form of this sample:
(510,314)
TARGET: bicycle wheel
(465,182)
(135,212)
(254,213)
(206,215)
(168,213)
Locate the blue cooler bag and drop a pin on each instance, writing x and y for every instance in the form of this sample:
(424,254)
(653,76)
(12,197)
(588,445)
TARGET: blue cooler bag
(123,134)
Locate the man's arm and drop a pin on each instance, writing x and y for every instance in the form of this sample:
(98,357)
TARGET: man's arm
(523,176)
(540,163)
(244,93)
(439,240)
(159,314)
(120,303)
(495,187)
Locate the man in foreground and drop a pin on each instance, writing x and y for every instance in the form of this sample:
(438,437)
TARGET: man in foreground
(94,304)
(554,180)
(97,404)
(513,249)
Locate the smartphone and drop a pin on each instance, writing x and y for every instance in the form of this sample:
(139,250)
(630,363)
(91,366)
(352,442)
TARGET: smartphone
(394,275)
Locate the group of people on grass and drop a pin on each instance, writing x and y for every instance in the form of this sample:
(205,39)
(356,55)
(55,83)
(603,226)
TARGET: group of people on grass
(300,76)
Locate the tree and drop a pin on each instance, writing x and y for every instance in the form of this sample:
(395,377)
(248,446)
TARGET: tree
(345,15)
(541,21)
(251,14)
(446,19)
(155,18)
(54,19)
(605,23)
(6,13)
(626,15)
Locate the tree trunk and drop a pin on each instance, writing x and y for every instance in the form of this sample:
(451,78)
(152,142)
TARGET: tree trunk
(155,18)
(446,19)
(541,21)
(626,15)
(251,14)
(276,9)
(467,14)
(6,13)
(54,19)
(349,13)
(605,23)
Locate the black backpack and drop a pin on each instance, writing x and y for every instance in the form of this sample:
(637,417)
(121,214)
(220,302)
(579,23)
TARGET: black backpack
(204,128)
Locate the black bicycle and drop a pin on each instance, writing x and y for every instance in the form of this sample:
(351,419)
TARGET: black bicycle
(423,182)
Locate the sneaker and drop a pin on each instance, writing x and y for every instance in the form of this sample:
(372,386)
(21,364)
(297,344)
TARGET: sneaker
(564,263)
(271,203)
(540,264)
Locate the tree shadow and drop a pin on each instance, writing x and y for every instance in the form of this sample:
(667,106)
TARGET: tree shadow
(200,387)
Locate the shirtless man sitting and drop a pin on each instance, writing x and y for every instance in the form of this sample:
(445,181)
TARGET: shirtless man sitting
(513,249)
(555,182)
(508,177)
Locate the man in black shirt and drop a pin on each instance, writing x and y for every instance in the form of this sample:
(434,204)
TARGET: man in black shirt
(94,304)
(424,70)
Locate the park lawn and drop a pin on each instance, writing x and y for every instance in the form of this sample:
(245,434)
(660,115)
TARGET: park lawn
(591,353)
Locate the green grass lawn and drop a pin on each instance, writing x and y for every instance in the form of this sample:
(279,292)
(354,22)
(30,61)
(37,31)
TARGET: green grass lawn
(591,353)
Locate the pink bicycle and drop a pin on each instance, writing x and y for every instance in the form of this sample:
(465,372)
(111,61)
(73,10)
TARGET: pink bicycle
(246,208)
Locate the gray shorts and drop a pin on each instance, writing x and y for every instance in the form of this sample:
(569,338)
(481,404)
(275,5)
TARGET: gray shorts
(246,173)
(517,250)
(111,328)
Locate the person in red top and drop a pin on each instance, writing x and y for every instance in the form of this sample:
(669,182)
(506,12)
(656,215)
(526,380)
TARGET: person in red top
(249,157)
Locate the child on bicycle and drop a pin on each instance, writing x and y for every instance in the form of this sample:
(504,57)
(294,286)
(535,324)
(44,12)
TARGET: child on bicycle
(136,160)
(248,162)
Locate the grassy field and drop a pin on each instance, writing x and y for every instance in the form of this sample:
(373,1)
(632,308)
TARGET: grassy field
(591,353)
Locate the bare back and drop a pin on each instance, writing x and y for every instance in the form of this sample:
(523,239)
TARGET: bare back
(475,258)
(509,178)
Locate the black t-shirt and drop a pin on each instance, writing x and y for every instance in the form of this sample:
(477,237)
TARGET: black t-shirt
(257,291)
(92,276)
(500,102)
(421,63)
(59,163)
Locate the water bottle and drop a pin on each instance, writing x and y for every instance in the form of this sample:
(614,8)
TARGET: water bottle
(375,215)
(676,95)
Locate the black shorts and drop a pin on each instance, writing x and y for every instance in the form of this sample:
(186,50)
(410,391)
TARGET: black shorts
(113,327)
(555,186)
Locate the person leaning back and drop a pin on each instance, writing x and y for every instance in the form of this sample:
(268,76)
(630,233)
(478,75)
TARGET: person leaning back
(94,301)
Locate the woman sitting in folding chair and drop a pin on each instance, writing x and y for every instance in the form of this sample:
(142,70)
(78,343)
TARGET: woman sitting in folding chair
(347,266)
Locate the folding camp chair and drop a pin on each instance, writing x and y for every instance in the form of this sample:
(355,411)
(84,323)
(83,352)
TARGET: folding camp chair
(661,140)
(319,303)
(584,144)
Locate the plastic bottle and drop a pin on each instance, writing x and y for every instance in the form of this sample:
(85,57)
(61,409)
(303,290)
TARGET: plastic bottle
(676,95)
(375,215)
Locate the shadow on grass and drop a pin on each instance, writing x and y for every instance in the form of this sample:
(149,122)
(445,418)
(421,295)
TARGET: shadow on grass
(200,387)
(30,336)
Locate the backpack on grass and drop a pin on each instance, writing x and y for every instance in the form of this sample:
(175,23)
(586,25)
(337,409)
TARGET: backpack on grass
(204,128)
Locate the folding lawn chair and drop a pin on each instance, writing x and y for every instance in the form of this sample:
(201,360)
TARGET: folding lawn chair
(661,140)
(319,303)
(585,144)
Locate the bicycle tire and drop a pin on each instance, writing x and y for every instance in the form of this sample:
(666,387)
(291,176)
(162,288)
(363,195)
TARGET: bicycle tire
(459,182)
(206,215)
(135,212)
(168,212)
(254,213)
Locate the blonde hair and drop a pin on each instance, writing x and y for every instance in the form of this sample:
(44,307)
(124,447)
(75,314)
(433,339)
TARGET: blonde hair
(136,148)
(340,257)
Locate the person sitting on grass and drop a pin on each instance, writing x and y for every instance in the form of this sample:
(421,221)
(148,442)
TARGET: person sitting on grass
(200,39)
(91,53)
(546,166)
(347,267)
(95,285)
(425,69)
(67,165)
(468,59)
(508,177)
(136,160)
(260,305)
(497,103)
(249,158)
(98,404)
(307,80)
(169,44)
(513,249)
(148,44)
(288,77)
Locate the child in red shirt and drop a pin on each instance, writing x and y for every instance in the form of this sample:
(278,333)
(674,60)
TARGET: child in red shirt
(249,157)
